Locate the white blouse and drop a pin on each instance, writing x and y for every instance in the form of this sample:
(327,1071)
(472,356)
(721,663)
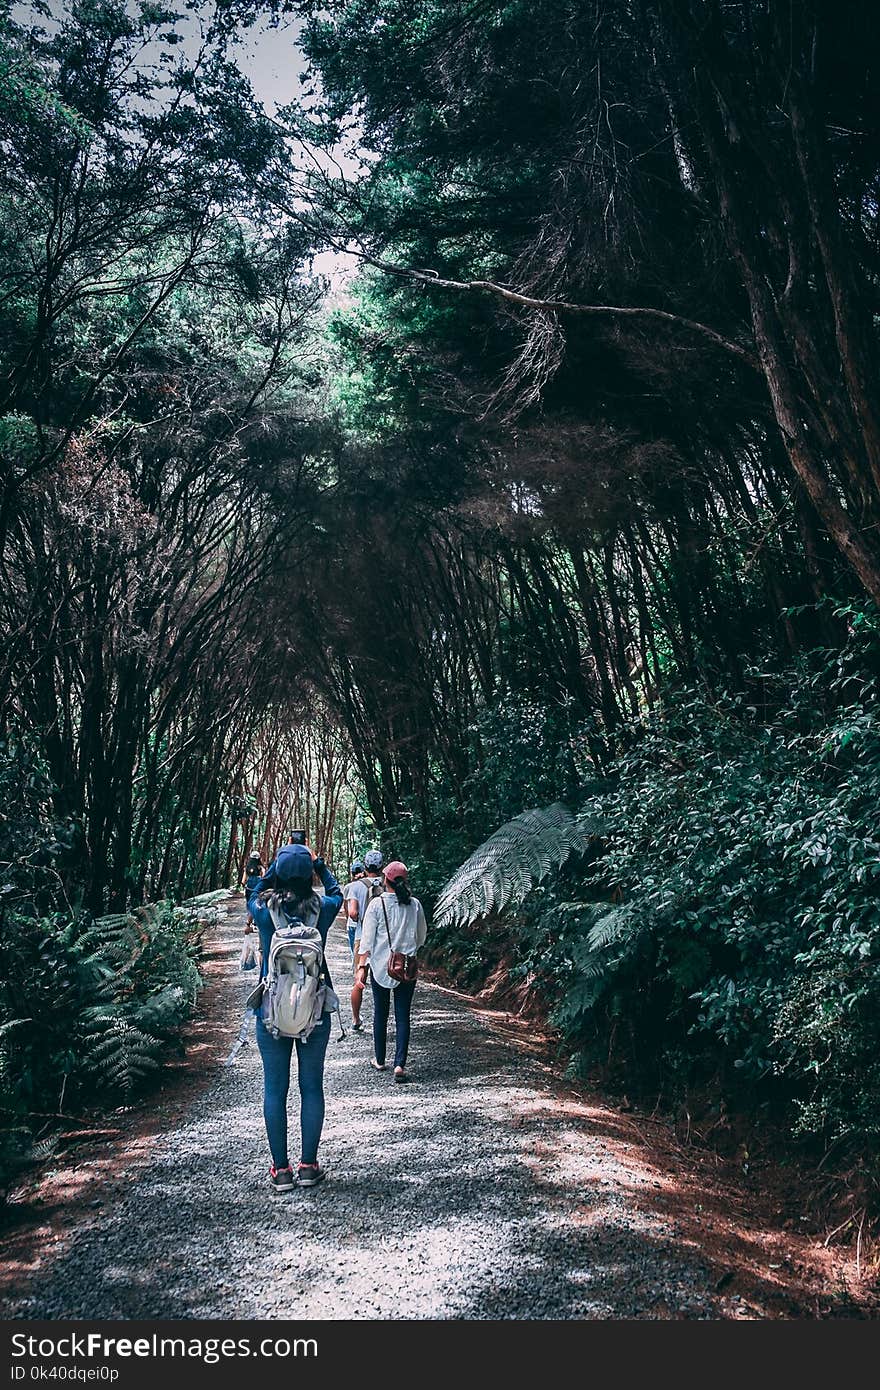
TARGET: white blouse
(407,928)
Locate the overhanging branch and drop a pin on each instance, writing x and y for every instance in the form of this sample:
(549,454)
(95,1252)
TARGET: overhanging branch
(525,301)
(564,306)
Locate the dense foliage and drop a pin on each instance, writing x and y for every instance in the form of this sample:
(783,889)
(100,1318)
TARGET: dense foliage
(90,1007)
(158,349)
(723,923)
(576,508)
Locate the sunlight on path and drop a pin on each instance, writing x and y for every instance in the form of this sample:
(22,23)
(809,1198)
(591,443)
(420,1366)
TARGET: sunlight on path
(473,1192)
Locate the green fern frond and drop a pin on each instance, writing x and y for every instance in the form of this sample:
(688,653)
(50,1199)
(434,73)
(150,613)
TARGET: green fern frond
(583,992)
(163,1011)
(152,917)
(591,965)
(613,926)
(508,865)
(218,895)
(12,1024)
(116,938)
(42,1149)
(111,925)
(120,1055)
(611,931)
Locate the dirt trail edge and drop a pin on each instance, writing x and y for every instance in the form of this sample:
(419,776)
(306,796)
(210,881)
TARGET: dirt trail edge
(483,1189)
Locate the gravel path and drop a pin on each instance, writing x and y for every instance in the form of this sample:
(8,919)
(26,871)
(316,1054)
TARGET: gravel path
(483,1189)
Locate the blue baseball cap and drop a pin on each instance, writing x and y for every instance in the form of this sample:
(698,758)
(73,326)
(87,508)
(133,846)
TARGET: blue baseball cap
(293,861)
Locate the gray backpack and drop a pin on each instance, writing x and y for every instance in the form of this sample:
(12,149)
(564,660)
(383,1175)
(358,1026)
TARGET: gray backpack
(296,993)
(373,884)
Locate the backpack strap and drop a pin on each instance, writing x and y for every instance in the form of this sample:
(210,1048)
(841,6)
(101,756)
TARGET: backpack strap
(325,970)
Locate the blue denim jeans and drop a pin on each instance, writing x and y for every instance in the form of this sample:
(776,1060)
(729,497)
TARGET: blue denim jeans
(403,997)
(276,1054)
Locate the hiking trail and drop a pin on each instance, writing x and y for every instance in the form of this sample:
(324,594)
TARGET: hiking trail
(485,1188)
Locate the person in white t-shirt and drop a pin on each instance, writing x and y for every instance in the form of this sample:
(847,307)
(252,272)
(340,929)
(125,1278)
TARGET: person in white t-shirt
(393,922)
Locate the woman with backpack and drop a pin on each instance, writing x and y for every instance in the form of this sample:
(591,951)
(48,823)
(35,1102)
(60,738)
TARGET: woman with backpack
(290,876)
(394,924)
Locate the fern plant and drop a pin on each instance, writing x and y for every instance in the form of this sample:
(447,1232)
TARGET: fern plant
(118,1054)
(90,1010)
(206,900)
(505,868)
(599,937)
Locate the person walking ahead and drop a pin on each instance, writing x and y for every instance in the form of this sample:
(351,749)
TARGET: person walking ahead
(395,921)
(363,889)
(354,889)
(253,872)
(290,875)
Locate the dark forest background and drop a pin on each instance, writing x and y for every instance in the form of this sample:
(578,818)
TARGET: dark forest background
(566,503)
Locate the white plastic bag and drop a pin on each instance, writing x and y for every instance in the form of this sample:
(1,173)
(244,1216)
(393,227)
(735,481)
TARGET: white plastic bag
(250,952)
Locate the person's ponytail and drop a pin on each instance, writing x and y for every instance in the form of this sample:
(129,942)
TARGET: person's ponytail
(401,890)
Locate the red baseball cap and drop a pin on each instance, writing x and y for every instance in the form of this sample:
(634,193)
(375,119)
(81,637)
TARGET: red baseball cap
(395,870)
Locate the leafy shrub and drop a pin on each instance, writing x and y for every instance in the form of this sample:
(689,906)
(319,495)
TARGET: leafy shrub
(88,1009)
(729,929)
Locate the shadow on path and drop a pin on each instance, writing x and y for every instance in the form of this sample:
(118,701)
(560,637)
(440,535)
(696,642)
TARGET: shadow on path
(483,1189)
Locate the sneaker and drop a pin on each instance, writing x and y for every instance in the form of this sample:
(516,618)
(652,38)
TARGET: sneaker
(309,1174)
(378,1066)
(400,1074)
(357,1027)
(281,1180)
